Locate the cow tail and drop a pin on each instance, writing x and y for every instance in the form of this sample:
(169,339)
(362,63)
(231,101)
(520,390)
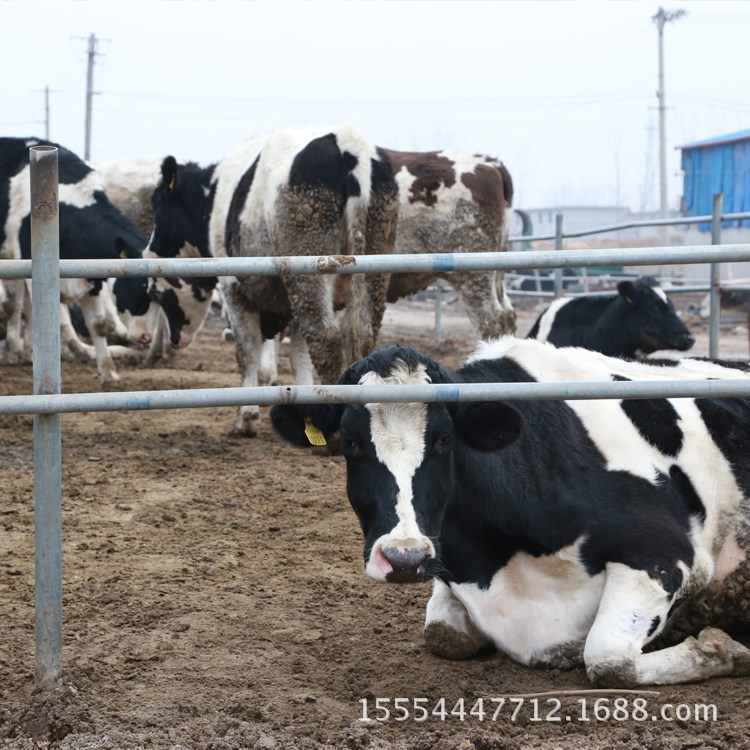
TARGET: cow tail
(357,318)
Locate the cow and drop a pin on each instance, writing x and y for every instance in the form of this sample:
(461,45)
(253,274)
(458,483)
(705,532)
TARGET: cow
(454,202)
(90,227)
(637,320)
(559,531)
(287,193)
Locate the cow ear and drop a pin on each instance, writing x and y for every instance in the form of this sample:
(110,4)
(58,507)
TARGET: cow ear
(169,173)
(626,290)
(487,426)
(305,425)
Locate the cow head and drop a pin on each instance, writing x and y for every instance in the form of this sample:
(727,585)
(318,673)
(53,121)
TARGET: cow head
(185,303)
(182,204)
(400,458)
(650,317)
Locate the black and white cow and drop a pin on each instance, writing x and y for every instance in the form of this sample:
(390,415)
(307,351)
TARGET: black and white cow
(90,227)
(291,192)
(455,202)
(554,530)
(637,320)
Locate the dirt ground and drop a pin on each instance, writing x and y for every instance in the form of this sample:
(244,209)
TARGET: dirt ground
(214,594)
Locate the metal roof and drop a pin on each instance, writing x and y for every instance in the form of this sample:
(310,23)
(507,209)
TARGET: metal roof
(719,140)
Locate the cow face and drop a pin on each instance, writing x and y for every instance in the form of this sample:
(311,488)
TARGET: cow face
(652,318)
(400,459)
(180,203)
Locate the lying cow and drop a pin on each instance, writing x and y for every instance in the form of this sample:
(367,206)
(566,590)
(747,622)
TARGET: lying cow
(553,529)
(90,227)
(292,192)
(636,321)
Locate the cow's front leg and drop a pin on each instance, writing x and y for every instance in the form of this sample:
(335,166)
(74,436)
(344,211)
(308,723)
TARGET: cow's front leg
(448,629)
(13,308)
(96,321)
(632,611)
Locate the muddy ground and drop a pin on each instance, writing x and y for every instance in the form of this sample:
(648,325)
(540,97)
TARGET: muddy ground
(214,595)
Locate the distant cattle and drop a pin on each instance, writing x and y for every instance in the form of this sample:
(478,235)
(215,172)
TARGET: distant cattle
(90,227)
(455,202)
(637,320)
(292,192)
(555,530)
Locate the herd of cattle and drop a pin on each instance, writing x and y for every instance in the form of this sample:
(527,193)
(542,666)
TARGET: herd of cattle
(552,529)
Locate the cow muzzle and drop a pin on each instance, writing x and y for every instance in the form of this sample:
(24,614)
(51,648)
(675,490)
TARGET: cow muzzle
(683,342)
(403,564)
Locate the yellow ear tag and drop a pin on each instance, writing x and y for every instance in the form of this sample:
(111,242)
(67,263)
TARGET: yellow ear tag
(171,184)
(123,254)
(314,435)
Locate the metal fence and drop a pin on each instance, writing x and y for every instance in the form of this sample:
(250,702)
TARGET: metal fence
(47,403)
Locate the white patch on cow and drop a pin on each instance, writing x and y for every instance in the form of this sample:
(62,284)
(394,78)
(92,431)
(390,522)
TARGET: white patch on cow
(534,604)
(548,318)
(71,290)
(398,434)
(660,293)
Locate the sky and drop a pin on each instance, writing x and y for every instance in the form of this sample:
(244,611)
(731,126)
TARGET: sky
(563,91)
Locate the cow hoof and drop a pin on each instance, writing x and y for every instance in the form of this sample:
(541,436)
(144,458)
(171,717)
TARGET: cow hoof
(246,424)
(443,640)
(714,641)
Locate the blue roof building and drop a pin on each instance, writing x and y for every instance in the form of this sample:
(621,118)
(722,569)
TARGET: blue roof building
(717,165)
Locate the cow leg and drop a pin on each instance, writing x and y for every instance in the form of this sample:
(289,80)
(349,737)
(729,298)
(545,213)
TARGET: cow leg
(299,356)
(14,304)
(632,611)
(71,347)
(490,315)
(448,630)
(96,321)
(269,358)
(311,300)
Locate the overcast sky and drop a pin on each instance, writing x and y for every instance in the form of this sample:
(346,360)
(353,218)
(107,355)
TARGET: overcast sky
(564,91)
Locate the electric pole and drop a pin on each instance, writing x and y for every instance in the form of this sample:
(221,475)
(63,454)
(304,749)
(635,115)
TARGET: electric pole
(89,95)
(47,92)
(660,19)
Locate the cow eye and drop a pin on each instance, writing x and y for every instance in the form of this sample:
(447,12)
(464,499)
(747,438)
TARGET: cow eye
(442,443)
(350,444)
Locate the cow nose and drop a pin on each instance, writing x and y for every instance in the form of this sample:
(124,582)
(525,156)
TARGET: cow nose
(685,342)
(407,564)
(145,338)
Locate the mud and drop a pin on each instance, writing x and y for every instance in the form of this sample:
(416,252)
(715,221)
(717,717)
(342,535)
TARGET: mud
(214,596)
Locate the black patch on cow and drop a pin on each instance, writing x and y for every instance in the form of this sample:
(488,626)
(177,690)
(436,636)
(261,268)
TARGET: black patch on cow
(693,504)
(321,163)
(728,423)
(663,361)
(621,379)
(732,364)
(131,294)
(654,625)
(271,324)
(175,314)
(657,421)
(239,198)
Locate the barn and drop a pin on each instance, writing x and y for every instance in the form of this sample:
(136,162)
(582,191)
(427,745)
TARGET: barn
(720,164)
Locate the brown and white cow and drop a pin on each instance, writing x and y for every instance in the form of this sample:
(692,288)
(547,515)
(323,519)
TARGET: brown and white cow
(455,202)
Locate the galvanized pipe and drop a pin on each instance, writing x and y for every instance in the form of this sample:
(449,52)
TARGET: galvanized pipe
(558,283)
(715,318)
(358,394)
(349,264)
(45,289)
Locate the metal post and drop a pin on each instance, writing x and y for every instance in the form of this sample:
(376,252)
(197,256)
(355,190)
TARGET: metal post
(45,287)
(438,314)
(89,95)
(713,334)
(558,247)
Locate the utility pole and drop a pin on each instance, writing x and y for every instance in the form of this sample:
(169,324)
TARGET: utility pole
(660,19)
(89,94)
(47,92)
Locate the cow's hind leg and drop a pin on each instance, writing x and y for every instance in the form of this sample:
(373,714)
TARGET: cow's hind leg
(491,315)
(448,629)
(633,610)
(96,321)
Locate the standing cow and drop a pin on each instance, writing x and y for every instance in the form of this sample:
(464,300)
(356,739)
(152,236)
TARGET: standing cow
(638,320)
(454,202)
(90,227)
(554,529)
(292,192)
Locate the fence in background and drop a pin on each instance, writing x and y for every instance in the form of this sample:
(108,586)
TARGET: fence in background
(48,402)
